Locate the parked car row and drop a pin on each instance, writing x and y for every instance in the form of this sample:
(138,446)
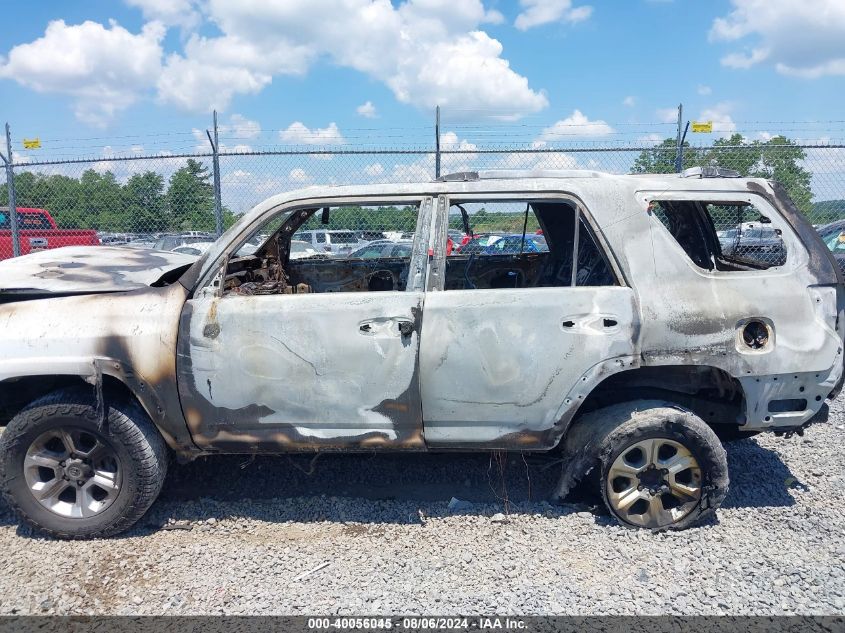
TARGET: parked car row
(756,240)
(503,244)
(763,242)
(38,231)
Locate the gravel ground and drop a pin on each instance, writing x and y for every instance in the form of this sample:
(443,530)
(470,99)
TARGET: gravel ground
(375,535)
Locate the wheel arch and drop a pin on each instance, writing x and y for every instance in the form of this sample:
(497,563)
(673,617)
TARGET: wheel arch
(105,378)
(707,391)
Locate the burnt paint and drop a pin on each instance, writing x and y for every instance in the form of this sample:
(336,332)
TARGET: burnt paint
(221,429)
(822,261)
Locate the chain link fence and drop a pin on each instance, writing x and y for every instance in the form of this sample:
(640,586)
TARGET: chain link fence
(170,201)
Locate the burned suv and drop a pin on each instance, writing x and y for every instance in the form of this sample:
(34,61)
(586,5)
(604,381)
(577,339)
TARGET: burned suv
(628,346)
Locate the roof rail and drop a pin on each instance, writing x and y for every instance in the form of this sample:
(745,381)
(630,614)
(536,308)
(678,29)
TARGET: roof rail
(459,176)
(711,171)
(505,174)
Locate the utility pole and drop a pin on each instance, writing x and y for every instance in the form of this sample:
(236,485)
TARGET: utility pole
(679,146)
(10,186)
(218,205)
(437,142)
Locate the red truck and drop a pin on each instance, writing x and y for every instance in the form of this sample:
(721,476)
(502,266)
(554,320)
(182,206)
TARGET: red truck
(38,232)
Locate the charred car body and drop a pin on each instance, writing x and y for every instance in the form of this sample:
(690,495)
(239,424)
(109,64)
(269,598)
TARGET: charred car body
(629,345)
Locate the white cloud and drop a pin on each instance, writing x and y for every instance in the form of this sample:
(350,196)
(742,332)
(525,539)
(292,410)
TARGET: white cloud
(650,138)
(667,115)
(629,101)
(298,134)
(539,12)
(545,160)
(720,115)
(181,13)
(90,63)
(376,169)
(423,169)
(801,38)
(237,177)
(417,171)
(704,90)
(238,128)
(241,127)
(831,67)
(367,110)
(450,141)
(427,52)
(298,175)
(213,70)
(576,125)
(745,60)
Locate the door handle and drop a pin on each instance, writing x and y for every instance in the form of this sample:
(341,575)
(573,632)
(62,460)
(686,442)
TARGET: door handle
(590,322)
(383,327)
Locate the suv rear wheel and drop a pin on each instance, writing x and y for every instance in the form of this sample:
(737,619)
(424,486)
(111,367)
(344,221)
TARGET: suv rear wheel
(661,467)
(73,472)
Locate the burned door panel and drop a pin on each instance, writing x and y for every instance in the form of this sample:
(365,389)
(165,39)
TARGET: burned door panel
(301,372)
(497,366)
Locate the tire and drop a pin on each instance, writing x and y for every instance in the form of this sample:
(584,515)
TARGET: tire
(661,467)
(96,479)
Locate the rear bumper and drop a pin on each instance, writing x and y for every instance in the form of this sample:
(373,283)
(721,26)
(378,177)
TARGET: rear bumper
(821,416)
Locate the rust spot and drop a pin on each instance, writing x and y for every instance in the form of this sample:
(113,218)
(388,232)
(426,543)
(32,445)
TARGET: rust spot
(396,406)
(212,328)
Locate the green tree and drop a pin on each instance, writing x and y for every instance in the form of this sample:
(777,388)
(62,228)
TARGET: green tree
(56,193)
(781,160)
(190,198)
(661,158)
(822,212)
(144,202)
(100,204)
(734,153)
(777,159)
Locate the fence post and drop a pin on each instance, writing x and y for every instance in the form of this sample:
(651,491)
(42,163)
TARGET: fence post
(10,186)
(218,205)
(679,146)
(437,142)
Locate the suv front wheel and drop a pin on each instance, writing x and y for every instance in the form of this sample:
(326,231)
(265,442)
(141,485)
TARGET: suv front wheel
(73,471)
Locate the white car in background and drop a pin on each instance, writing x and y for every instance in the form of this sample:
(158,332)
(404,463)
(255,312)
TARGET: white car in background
(197,248)
(300,249)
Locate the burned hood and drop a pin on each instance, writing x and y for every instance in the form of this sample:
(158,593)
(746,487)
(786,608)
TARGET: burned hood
(87,269)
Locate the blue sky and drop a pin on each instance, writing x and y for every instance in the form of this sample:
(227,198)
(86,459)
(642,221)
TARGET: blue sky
(145,74)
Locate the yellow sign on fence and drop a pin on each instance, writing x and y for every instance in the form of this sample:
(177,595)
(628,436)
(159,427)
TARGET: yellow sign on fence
(702,126)
(31,143)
